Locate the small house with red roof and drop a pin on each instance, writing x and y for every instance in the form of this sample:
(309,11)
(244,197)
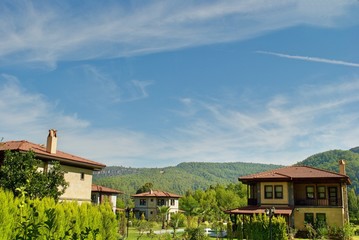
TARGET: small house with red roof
(78,170)
(147,203)
(100,194)
(301,194)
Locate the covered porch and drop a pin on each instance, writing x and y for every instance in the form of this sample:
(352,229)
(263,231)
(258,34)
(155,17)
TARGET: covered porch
(250,211)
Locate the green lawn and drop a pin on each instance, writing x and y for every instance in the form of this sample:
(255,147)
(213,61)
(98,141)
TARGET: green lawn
(133,235)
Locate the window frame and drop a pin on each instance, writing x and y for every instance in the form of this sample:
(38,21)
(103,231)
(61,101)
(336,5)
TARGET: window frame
(321,218)
(309,218)
(278,194)
(322,194)
(161,202)
(268,194)
(310,194)
(82,176)
(143,202)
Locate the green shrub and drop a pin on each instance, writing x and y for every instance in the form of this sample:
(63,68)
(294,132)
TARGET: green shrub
(260,229)
(195,234)
(22,218)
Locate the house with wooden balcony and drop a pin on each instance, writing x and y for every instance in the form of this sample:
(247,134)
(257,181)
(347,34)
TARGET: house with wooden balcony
(147,203)
(301,194)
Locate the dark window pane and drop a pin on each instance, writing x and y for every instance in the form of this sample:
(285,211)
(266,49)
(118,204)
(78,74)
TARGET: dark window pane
(309,218)
(268,191)
(278,191)
(310,192)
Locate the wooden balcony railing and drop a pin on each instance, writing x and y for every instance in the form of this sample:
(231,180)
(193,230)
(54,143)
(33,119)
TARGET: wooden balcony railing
(318,202)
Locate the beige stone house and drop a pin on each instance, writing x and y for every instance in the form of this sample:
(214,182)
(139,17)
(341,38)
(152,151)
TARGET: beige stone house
(78,170)
(100,194)
(147,203)
(301,194)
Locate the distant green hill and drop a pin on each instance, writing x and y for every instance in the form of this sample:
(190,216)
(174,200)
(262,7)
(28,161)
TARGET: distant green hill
(201,175)
(329,161)
(356,149)
(178,179)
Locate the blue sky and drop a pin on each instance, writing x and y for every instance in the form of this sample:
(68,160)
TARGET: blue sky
(156,83)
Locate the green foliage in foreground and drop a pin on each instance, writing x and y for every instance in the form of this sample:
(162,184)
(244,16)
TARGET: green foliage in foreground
(261,228)
(21,170)
(23,218)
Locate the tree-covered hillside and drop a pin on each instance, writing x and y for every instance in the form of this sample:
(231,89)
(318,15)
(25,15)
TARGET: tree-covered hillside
(178,179)
(329,160)
(201,175)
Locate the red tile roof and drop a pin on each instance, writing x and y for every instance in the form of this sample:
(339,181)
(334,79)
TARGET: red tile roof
(292,173)
(156,193)
(98,188)
(40,151)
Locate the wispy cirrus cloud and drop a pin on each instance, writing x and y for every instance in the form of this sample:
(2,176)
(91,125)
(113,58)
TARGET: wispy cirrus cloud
(282,130)
(47,32)
(110,89)
(310,59)
(27,114)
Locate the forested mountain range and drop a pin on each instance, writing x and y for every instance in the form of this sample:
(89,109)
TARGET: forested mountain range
(201,175)
(177,179)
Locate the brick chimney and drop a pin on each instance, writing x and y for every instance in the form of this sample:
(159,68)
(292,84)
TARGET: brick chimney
(342,167)
(51,145)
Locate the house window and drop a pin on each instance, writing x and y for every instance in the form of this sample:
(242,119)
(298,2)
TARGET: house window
(309,218)
(321,219)
(160,202)
(278,191)
(143,202)
(310,192)
(333,196)
(82,177)
(268,191)
(321,192)
(172,202)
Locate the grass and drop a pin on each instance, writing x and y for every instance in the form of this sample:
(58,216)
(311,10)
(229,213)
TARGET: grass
(133,235)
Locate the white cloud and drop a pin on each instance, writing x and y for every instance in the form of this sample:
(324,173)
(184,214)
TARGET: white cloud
(47,32)
(109,89)
(311,59)
(283,130)
(27,115)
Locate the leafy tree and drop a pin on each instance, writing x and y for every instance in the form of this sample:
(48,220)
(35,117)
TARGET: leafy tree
(353,205)
(21,170)
(209,204)
(145,188)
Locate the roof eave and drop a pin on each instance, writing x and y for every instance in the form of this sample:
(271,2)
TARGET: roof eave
(95,167)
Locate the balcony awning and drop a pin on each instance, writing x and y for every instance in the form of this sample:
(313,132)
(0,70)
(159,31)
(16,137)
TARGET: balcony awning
(250,210)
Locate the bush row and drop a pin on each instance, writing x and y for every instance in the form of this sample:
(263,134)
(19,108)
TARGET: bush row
(22,218)
(259,227)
